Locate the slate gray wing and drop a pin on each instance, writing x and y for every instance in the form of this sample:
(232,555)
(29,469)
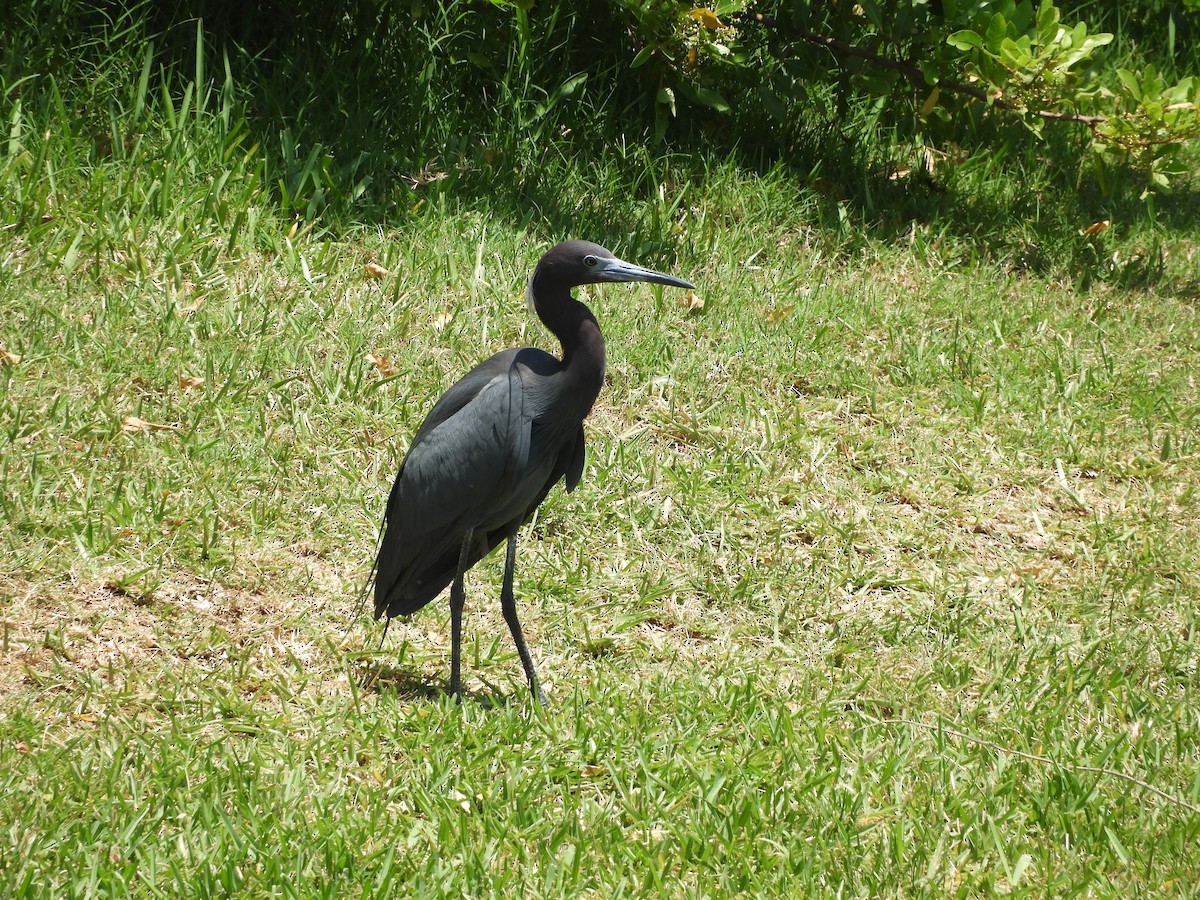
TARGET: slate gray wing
(459,473)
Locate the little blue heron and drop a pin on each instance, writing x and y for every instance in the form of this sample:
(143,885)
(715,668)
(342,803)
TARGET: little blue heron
(493,446)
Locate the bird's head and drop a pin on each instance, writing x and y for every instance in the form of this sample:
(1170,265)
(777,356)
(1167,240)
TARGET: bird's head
(573,263)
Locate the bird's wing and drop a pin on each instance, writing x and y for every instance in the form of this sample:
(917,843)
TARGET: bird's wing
(573,459)
(456,468)
(457,475)
(568,464)
(465,390)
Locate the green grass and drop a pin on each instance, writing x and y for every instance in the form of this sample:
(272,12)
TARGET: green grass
(881,580)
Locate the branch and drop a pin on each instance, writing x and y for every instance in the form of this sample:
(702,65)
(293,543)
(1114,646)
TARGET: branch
(917,77)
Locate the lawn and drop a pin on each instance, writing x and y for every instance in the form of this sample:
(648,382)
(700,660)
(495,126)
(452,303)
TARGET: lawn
(882,578)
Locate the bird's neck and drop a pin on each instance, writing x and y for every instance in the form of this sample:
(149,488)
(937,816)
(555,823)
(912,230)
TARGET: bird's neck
(583,358)
(582,343)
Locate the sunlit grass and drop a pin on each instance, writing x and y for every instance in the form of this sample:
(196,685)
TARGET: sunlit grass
(881,578)
(832,514)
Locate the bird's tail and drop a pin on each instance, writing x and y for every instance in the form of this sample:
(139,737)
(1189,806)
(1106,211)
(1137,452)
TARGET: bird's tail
(361,602)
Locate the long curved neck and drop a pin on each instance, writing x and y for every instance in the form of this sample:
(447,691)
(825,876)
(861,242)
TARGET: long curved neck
(579,333)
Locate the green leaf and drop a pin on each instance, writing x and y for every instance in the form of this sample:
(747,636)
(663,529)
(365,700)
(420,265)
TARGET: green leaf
(1015,53)
(1047,23)
(712,99)
(642,55)
(666,97)
(965,40)
(772,102)
(1131,83)
(997,31)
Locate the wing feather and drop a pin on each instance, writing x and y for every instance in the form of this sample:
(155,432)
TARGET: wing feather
(484,459)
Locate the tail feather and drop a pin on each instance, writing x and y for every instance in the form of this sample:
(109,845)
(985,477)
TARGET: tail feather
(389,570)
(361,601)
(403,586)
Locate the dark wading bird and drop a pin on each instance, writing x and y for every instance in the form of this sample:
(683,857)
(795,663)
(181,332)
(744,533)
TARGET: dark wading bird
(492,448)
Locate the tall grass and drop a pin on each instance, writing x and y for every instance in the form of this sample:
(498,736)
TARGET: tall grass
(370,114)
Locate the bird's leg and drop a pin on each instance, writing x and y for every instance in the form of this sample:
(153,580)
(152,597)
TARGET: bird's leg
(458,599)
(509,605)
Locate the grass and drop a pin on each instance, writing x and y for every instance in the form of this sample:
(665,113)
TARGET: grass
(881,579)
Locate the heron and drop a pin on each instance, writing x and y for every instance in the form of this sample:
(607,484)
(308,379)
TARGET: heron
(492,448)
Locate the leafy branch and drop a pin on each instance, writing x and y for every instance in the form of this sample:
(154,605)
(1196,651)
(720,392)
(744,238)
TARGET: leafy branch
(1015,57)
(916,76)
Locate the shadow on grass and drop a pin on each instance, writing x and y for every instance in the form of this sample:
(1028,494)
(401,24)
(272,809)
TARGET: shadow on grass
(406,684)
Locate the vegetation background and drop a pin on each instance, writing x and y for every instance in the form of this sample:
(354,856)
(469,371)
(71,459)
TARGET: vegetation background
(882,578)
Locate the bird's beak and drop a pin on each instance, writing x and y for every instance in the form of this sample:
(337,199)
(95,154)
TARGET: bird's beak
(618,270)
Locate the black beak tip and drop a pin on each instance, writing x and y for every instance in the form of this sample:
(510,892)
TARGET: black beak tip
(672,281)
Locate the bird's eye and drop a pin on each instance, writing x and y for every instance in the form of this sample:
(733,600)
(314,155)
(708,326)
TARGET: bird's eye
(589,261)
